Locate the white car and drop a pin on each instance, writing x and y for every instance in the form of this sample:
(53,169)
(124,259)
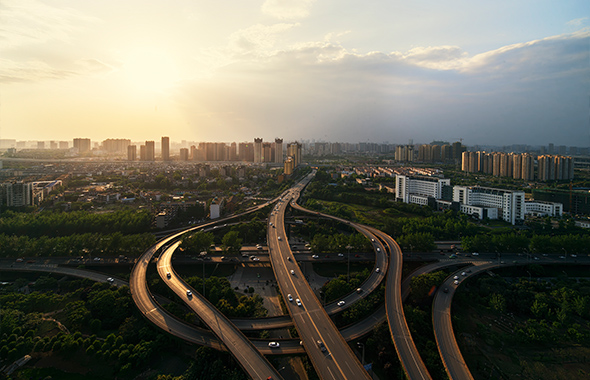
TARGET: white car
(463,273)
(315,257)
(456,278)
(273,344)
(111,280)
(341,255)
(456,282)
(341,303)
(377,270)
(292,272)
(475,254)
(189,293)
(279,238)
(290,297)
(298,302)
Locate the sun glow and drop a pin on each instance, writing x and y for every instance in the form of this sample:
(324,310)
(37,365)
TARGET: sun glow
(150,70)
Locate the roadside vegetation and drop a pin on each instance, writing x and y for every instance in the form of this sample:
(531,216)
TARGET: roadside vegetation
(78,329)
(517,326)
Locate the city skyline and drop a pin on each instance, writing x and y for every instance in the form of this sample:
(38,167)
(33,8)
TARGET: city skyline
(331,71)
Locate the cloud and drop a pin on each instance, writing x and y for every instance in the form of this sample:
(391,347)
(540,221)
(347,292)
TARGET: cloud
(287,9)
(577,22)
(11,72)
(35,70)
(27,22)
(257,38)
(522,91)
(436,57)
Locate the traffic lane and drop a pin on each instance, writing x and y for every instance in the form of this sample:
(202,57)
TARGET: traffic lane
(402,338)
(304,316)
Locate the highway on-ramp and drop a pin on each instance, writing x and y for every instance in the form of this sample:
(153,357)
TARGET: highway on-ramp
(236,342)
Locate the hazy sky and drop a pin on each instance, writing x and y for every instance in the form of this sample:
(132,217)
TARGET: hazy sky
(501,72)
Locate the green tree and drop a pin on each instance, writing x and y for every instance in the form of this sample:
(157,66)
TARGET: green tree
(231,242)
(197,242)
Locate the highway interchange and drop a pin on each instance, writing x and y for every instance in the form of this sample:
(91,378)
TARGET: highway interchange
(325,345)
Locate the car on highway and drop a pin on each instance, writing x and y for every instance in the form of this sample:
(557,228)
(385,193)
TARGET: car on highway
(446,290)
(321,345)
(290,297)
(110,280)
(298,302)
(341,303)
(288,258)
(258,246)
(189,293)
(359,290)
(168,275)
(475,254)
(315,257)
(377,270)
(562,257)
(463,273)
(341,255)
(292,272)
(378,249)
(573,255)
(456,278)
(273,344)
(279,238)
(456,282)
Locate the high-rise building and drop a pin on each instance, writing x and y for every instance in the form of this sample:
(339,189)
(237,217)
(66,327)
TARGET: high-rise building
(289,165)
(528,167)
(246,152)
(294,150)
(183,154)
(233,152)
(83,145)
(278,151)
(64,145)
(116,146)
(267,152)
(53,145)
(150,151)
(165,148)
(257,150)
(16,194)
(552,168)
(142,153)
(131,152)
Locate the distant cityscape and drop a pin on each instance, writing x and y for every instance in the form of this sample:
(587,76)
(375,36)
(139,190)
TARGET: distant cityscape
(423,187)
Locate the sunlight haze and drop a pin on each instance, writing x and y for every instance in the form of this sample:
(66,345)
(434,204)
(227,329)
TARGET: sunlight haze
(494,73)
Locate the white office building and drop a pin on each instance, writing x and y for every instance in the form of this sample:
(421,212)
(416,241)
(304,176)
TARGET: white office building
(418,189)
(540,208)
(485,202)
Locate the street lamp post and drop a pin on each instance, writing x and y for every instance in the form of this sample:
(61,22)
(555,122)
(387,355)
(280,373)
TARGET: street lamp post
(362,346)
